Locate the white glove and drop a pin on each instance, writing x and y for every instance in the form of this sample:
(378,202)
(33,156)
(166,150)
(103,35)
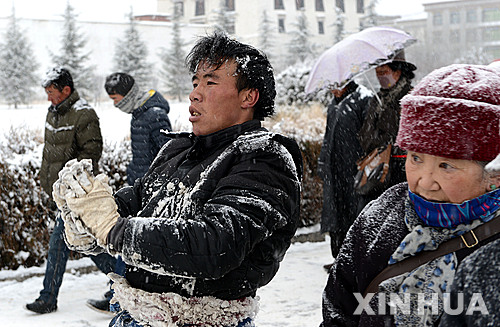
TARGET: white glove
(97,208)
(76,236)
(77,178)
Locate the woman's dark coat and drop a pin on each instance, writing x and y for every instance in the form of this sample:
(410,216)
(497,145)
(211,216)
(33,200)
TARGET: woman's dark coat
(225,207)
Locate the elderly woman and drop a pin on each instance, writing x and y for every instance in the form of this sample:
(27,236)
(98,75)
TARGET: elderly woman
(450,128)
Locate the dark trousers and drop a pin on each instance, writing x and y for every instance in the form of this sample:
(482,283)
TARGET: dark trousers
(56,263)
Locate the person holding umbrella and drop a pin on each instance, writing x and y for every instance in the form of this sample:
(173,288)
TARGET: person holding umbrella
(337,161)
(382,120)
(336,69)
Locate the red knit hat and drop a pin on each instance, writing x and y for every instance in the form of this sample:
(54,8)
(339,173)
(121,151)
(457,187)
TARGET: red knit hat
(454,112)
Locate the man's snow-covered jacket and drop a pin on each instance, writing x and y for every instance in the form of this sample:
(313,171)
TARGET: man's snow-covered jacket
(213,216)
(71,131)
(148,121)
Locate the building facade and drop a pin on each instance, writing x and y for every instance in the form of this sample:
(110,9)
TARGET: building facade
(247,17)
(451,31)
(460,25)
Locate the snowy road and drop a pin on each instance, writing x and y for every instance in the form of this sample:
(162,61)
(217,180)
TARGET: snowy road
(292,299)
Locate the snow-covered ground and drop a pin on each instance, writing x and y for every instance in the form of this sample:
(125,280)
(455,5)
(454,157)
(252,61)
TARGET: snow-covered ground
(293,298)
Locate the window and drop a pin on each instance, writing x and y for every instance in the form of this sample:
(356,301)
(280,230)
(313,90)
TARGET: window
(454,17)
(281,25)
(278,4)
(179,8)
(471,16)
(340,4)
(299,4)
(199,8)
(455,37)
(321,27)
(491,34)
(319,5)
(491,14)
(230,5)
(437,19)
(360,6)
(437,37)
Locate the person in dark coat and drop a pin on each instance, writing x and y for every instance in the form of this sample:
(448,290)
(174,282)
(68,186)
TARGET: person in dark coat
(71,132)
(382,120)
(211,220)
(337,161)
(149,123)
(446,127)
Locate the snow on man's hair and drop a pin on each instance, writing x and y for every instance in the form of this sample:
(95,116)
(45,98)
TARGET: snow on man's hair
(253,68)
(59,77)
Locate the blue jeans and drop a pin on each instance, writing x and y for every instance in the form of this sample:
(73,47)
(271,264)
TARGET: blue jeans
(56,263)
(123,319)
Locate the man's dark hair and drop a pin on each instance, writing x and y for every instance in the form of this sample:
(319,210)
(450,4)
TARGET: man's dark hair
(58,77)
(119,83)
(253,68)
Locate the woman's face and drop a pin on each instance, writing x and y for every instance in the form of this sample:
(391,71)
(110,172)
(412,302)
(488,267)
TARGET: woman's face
(439,179)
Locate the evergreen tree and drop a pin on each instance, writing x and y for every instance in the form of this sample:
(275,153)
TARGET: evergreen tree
(174,72)
(299,47)
(17,66)
(266,34)
(224,19)
(131,55)
(371,17)
(339,25)
(72,55)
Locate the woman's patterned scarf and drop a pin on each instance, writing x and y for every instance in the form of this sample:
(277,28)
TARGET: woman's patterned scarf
(449,215)
(431,280)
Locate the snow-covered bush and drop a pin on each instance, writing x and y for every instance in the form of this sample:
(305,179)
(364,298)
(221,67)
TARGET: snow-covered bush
(306,126)
(114,160)
(24,207)
(26,211)
(291,84)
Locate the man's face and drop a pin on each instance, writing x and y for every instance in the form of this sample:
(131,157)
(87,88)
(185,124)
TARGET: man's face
(116,98)
(55,96)
(215,101)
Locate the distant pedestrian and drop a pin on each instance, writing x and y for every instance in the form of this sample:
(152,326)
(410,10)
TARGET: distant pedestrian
(382,119)
(337,161)
(71,132)
(149,123)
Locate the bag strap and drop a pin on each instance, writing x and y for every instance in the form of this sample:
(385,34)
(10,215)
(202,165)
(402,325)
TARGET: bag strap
(467,240)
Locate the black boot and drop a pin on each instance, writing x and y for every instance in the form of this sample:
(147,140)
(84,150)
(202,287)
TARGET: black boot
(101,305)
(40,306)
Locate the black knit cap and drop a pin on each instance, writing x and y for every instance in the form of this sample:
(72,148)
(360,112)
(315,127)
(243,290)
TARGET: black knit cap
(119,83)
